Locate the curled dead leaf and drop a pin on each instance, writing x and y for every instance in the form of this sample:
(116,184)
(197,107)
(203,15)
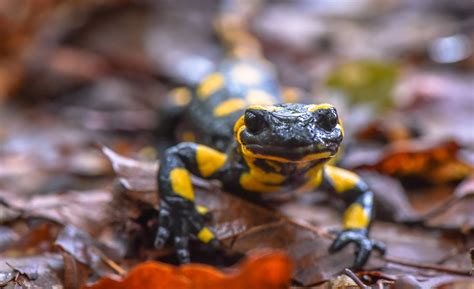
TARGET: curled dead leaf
(433,162)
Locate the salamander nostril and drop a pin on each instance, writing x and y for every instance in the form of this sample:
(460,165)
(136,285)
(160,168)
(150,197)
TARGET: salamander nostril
(254,122)
(327,118)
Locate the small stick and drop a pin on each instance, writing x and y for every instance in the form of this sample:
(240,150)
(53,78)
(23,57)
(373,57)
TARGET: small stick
(427,266)
(441,208)
(356,279)
(316,230)
(463,191)
(112,264)
(377,274)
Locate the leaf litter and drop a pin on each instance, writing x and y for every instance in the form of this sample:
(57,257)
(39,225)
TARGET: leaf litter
(69,79)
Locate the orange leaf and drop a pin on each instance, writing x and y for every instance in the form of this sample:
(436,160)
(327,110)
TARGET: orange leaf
(259,271)
(436,162)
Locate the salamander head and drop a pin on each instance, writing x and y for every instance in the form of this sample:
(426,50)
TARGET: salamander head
(289,132)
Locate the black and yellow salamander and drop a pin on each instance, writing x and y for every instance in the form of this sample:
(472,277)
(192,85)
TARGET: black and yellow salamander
(244,135)
(253,143)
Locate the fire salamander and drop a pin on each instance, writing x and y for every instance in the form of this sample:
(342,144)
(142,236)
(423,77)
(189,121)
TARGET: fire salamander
(246,137)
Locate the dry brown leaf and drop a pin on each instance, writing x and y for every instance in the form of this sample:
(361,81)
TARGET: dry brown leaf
(433,162)
(83,248)
(87,210)
(40,271)
(456,211)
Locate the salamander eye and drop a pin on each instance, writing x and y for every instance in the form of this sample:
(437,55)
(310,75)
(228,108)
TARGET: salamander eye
(254,122)
(327,118)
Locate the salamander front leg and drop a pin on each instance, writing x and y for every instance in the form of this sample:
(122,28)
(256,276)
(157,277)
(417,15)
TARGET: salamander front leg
(356,230)
(179,216)
(357,217)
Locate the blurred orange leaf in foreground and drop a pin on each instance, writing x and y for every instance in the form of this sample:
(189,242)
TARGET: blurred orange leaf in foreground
(259,271)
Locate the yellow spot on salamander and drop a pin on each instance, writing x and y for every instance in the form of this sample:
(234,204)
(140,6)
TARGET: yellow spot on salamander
(180,96)
(205,235)
(341,127)
(355,217)
(229,106)
(211,84)
(257,96)
(181,183)
(238,124)
(314,177)
(259,174)
(341,179)
(202,210)
(249,183)
(270,108)
(246,74)
(306,158)
(315,107)
(209,160)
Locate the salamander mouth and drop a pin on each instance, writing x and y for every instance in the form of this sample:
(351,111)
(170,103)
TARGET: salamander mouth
(308,152)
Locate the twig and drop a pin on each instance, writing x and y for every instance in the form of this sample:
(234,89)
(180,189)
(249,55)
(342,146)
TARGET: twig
(378,275)
(463,191)
(441,208)
(253,230)
(356,279)
(316,230)
(111,263)
(427,266)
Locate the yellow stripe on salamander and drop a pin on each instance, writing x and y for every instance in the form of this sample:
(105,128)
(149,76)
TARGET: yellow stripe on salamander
(249,183)
(211,84)
(229,106)
(238,125)
(355,217)
(209,160)
(272,178)
(315,107)
(314,177)
(341,179)
(306,158)
(257,96)
(270,108)
(181,183)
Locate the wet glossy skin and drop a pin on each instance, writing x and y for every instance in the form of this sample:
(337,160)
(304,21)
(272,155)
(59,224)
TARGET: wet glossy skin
(290,132)
(255,146)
